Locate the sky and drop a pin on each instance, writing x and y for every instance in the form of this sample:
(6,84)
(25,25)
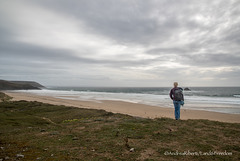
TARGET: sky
(130,43)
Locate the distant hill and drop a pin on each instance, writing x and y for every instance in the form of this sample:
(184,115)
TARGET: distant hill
(19,85)
(34,84)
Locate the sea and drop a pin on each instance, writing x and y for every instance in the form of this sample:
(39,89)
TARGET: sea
(217,99)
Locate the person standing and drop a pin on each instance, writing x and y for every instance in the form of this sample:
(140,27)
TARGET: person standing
(176,94)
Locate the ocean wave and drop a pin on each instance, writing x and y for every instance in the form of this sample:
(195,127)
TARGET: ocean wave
(236,95)
(135,97)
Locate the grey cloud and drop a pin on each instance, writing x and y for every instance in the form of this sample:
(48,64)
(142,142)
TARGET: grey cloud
(210,41)
(15,50)
(128,22)
(233,35)
(173,50)
(132,22)
(234,74)
(30,53)
(212,60)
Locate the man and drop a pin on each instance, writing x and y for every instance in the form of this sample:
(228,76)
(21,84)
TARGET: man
(177,96)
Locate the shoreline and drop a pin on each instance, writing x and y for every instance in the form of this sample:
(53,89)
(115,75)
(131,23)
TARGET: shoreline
(133,109)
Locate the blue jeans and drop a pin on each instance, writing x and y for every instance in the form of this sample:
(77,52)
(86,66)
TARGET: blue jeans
(177,105)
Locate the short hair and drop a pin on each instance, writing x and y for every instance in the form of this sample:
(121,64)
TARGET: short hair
(175,83)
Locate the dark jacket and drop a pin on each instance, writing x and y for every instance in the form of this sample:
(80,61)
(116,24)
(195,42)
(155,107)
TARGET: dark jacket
(171,94)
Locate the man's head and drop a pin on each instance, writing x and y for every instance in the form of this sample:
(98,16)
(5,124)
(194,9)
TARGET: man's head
(175,84)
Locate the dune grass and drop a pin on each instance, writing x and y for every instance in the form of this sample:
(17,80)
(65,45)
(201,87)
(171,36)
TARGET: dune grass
(4,97)
(39,131)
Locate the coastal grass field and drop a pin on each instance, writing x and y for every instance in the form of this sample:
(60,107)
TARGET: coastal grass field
(39,131)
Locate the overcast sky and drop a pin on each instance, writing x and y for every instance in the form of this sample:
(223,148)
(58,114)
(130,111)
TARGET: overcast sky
(121,42)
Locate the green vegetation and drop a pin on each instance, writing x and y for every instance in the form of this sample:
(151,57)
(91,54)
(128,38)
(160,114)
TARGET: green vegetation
(38,131)
(4,97)
(19,85)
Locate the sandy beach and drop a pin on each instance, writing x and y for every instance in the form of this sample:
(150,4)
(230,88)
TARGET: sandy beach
(133,109)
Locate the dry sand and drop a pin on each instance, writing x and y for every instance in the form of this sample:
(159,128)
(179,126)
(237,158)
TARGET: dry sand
(132,109)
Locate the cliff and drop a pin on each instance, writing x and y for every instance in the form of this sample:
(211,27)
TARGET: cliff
(19,85)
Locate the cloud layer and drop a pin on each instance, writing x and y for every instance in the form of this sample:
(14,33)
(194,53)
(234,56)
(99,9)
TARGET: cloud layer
(121,43)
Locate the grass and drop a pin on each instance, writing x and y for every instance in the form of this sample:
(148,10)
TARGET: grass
(48,132)
(4,97)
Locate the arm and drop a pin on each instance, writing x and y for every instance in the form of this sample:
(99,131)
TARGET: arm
(171,94)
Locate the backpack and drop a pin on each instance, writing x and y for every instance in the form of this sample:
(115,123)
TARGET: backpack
(178,94)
